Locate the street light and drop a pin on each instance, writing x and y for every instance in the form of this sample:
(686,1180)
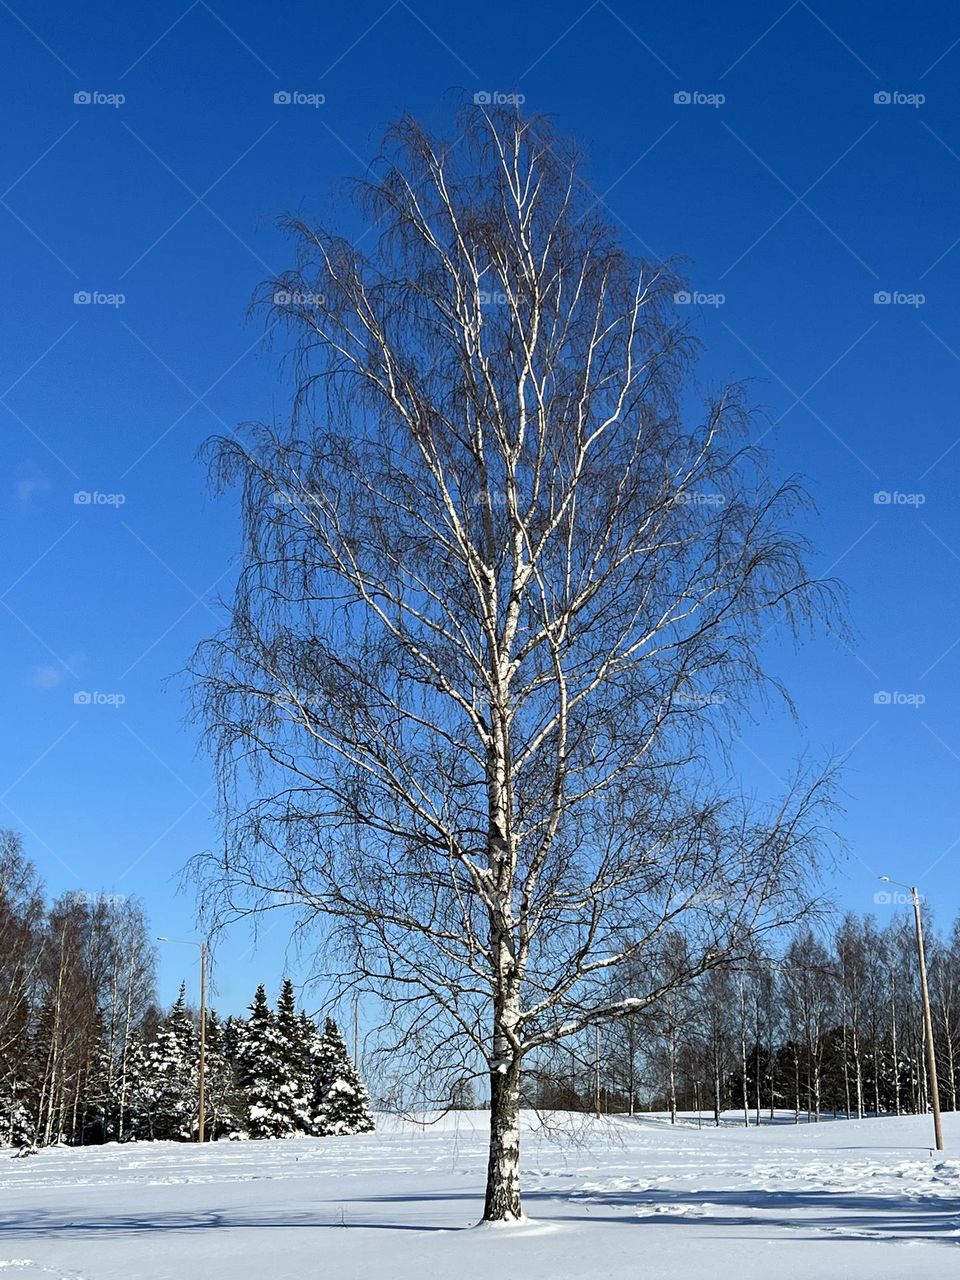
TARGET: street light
(190,942)
(927,1017)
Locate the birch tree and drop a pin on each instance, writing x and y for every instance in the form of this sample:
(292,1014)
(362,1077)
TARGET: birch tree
(21,918)
(810,996)
(502,594)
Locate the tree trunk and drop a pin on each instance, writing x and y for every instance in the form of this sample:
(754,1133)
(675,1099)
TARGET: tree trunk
(502,1203)
(896,1052)
(672,1042)
(846,1063)
(633,1075)
(951,1073)
(877,1063)
(816,1089)
(744,1087)
(858,1069)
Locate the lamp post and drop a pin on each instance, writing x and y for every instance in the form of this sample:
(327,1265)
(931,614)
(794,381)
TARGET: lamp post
(927,1016)
(190,942)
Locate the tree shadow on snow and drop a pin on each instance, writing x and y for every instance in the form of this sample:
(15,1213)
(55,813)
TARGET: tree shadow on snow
(851,1215)
(39,1224)
(847,1214)
(809,1215)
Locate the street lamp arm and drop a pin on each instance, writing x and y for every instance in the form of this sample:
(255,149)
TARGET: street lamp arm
(899,883)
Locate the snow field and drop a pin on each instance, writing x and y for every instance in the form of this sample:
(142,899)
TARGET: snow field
(608,1199)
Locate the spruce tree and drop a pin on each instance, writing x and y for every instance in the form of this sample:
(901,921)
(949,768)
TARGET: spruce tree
(16,1061)
(224,1098)
(319,1067)
(233,1031)
(133,1115)
(296,1089)
(94,1118)
(264,1074)
(169,1091)
(340,1099)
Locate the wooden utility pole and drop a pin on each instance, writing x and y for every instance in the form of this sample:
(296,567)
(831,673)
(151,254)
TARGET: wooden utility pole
(928,1025)
(931,1054)
(201,1124)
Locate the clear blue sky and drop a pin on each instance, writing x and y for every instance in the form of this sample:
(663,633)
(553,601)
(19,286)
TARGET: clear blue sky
(798,198)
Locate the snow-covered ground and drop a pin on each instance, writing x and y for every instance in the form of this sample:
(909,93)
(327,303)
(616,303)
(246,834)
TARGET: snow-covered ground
(610,1199)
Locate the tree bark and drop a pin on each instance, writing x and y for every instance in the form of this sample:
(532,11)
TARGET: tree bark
(502,1202)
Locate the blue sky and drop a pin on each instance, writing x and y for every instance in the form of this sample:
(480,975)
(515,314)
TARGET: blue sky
(796,199)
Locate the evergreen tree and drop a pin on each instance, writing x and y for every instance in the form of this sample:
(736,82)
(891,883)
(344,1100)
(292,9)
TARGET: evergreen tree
(265,1077)
(297,1089)
(168,1094)
(340,1098)
(133,1115)
(233,1030)
(93,1113)
(224,1099)
(16,1128)
(319,1068)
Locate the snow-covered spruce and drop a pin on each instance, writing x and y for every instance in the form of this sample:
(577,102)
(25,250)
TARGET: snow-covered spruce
(165,1093)
(269,1080)
(293,1079)
(341,1104)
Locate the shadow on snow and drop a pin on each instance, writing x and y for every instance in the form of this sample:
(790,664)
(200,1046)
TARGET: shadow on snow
(852,1216)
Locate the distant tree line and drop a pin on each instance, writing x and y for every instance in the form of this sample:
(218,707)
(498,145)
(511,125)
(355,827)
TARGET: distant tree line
(828,1024)
(87,1056)
(831,1023)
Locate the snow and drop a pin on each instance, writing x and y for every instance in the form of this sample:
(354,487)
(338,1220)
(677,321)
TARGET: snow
(605,1199)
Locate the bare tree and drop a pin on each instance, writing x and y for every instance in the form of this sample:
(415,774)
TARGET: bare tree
(854,956)
(496,600)
(670,1018)
(129,996)
(946,969)
(809,986)
(21,920)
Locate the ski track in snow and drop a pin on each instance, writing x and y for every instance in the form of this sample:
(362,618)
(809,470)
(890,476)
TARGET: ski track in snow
(805,1201)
